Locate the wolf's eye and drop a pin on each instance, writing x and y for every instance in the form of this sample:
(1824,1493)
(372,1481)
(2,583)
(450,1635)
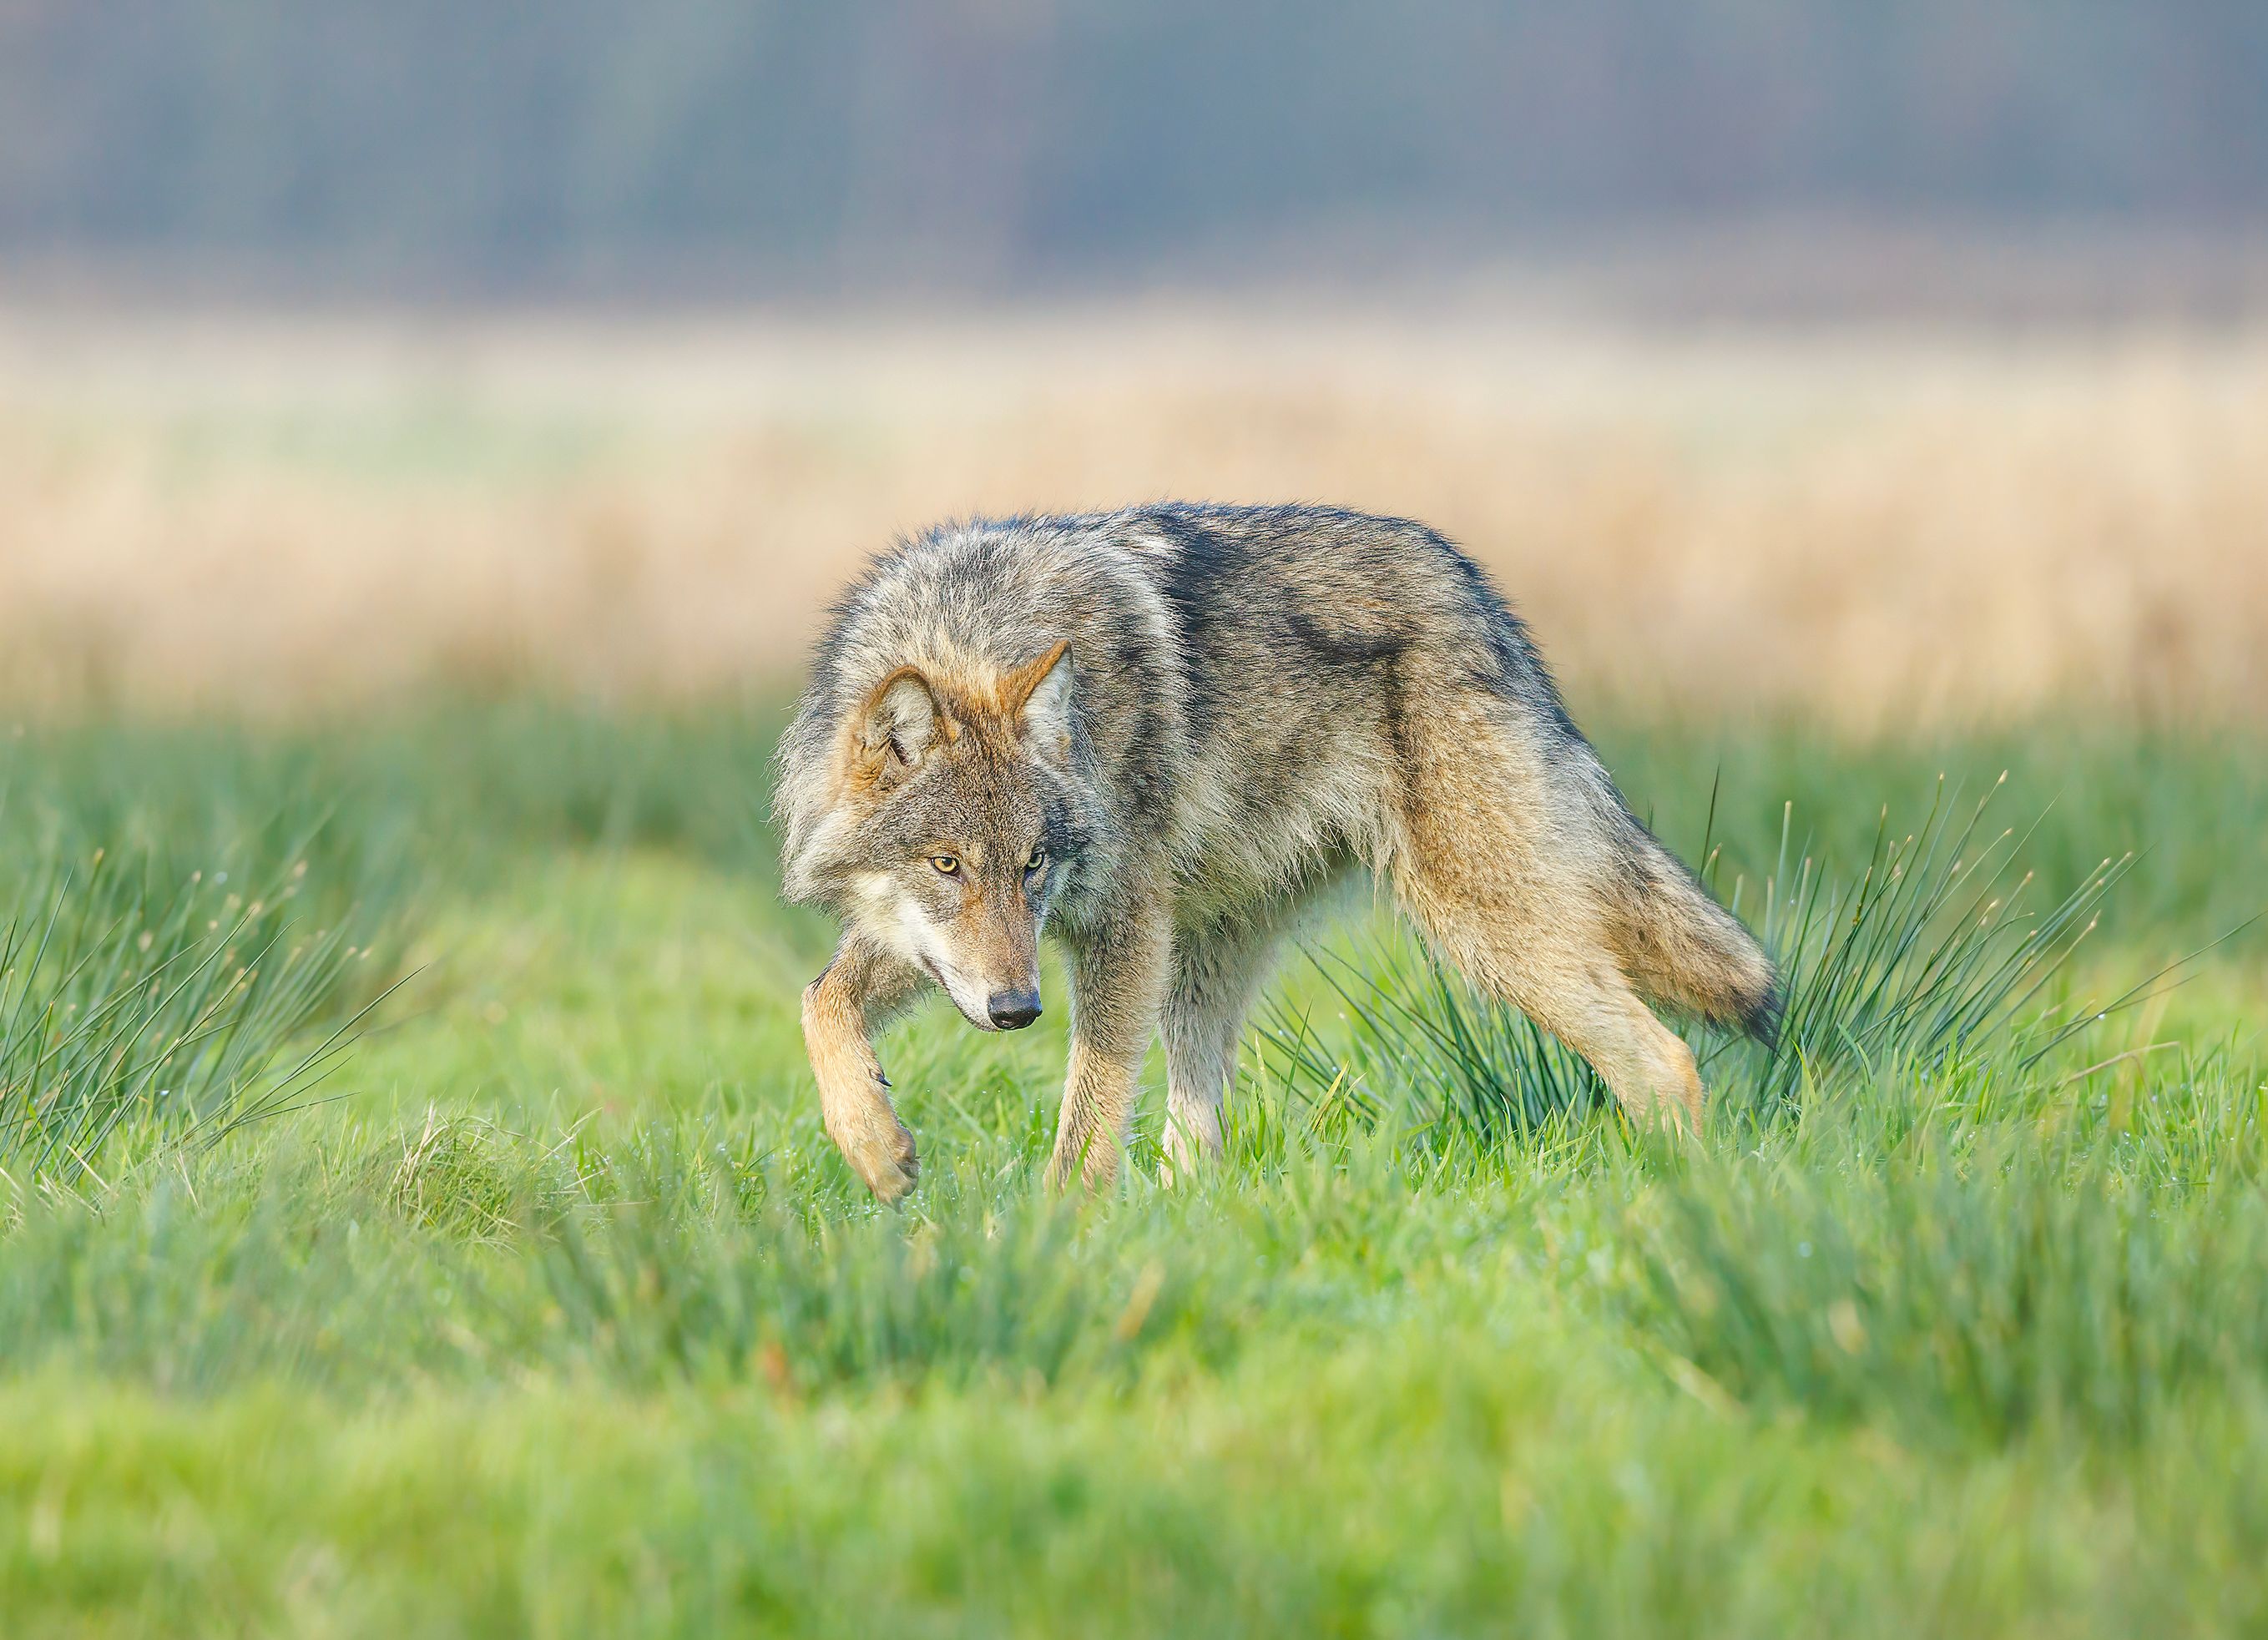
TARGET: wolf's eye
(945,863)
(1039,859)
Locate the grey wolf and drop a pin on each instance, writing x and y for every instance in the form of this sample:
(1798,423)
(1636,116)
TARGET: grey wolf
(1159,735)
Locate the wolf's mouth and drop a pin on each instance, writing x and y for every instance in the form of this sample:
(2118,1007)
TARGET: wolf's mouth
(944,985)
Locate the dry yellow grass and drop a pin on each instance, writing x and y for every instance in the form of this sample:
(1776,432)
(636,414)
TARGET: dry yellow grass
(1871,528)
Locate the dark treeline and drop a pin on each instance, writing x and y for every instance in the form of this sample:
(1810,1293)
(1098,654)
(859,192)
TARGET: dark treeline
(983,141)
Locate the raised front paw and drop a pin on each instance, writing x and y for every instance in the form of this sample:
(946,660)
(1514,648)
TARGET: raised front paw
(880,1150)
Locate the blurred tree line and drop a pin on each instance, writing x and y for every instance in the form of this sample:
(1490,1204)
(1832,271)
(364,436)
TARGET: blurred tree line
(506,143)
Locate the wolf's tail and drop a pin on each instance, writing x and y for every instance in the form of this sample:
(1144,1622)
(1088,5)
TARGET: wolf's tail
(1681,949)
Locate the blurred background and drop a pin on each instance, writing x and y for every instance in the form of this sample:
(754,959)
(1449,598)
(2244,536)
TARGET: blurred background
(1881,365)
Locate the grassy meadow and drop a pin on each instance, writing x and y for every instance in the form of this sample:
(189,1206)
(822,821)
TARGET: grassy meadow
(414,1216)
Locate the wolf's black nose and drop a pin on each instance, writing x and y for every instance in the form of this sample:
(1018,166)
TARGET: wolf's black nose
(1013,1010)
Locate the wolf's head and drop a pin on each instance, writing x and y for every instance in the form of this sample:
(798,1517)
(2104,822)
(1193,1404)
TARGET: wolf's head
(951,833)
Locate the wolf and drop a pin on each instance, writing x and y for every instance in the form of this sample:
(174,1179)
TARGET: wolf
(1160,735)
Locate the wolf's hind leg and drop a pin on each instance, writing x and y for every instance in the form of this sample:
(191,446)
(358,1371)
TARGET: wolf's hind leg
(1581,997)
(1492,856)
(1644,1064)
(1118,988)
(1217,970)
(841,1010)
(1542,964)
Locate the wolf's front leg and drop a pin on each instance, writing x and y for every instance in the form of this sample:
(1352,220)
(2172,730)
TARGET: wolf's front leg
(841,1009)
(1118,988)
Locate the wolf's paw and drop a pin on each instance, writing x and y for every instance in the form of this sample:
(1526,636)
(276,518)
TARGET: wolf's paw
(1192,1143)
(882,1153)
(1180,1164)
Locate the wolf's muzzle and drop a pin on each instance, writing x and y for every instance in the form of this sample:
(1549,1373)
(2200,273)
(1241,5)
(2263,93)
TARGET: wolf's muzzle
(1013,1010)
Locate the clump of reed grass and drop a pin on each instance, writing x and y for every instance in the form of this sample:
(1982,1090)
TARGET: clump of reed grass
(181,1012)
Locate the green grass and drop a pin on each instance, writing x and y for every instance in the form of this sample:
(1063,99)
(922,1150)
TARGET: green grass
(552,1310)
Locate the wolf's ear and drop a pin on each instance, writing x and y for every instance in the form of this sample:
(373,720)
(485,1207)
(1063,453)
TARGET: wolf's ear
(904,720)
(1039,694)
